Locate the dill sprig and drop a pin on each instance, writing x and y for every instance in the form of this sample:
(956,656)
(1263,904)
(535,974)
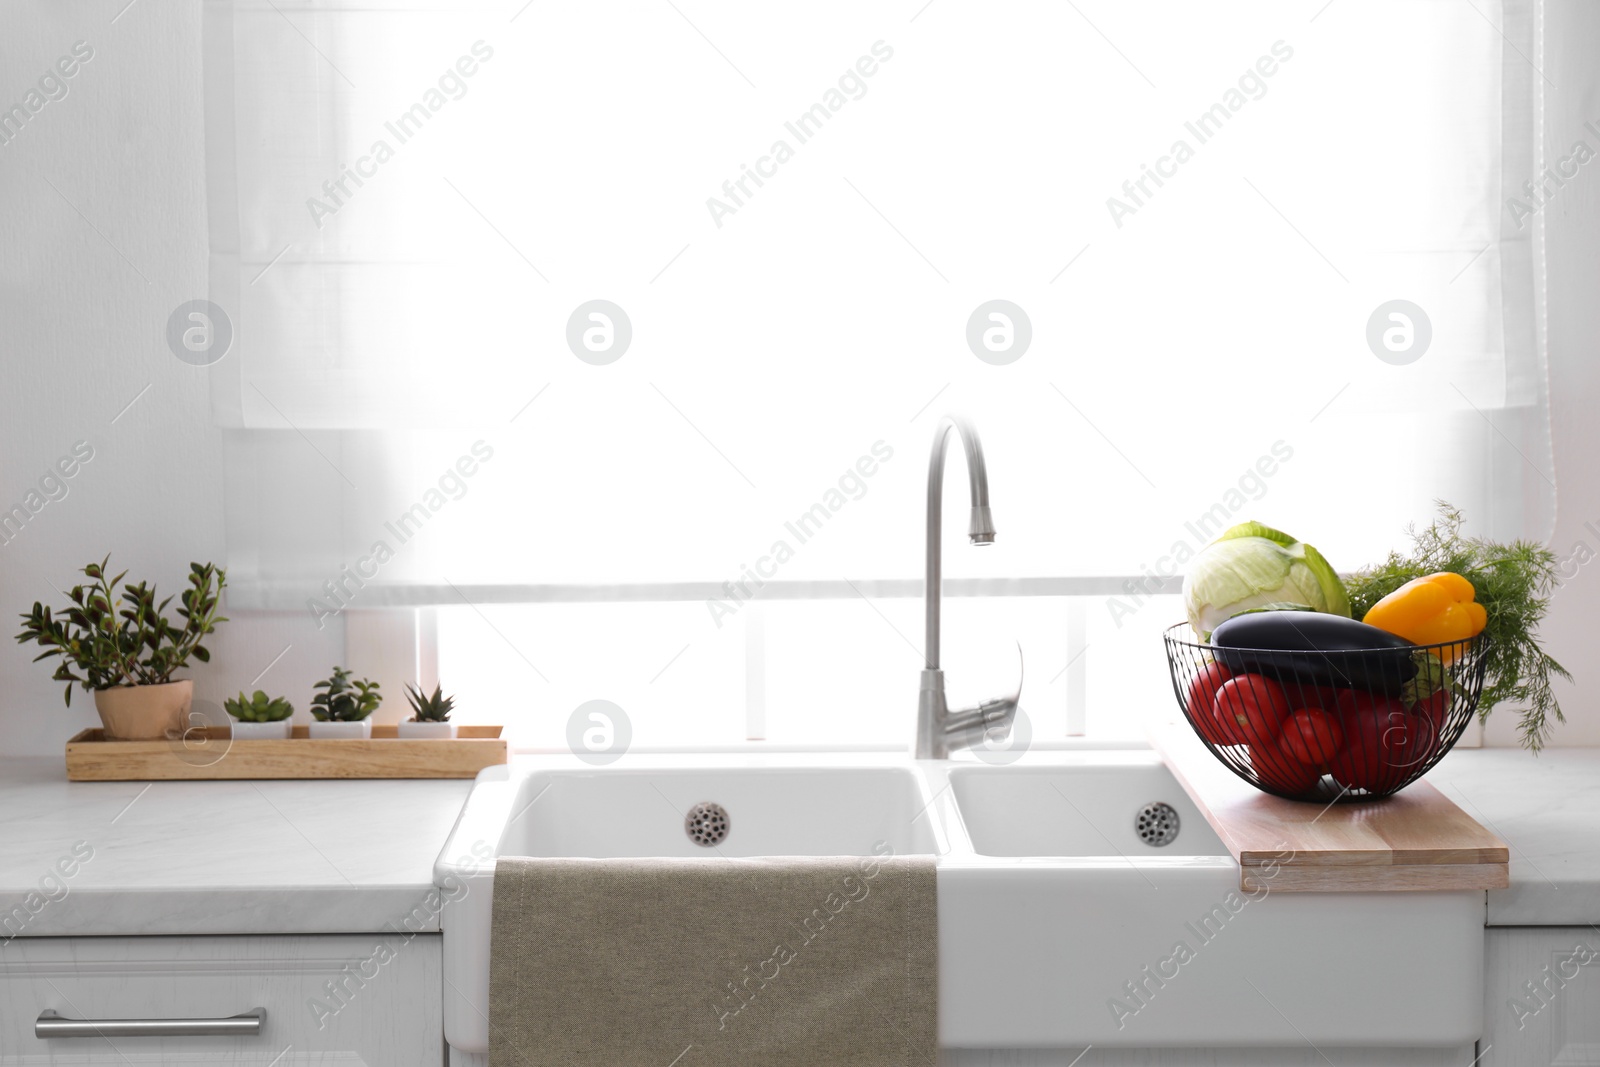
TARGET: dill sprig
(1513,583)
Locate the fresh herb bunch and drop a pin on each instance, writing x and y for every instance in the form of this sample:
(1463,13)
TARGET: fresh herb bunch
(102,647)
(258,708)
(1513,582)
(435,708)
(342,700)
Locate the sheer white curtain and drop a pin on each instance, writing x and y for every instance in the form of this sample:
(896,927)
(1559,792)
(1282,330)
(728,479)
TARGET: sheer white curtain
(1198,207)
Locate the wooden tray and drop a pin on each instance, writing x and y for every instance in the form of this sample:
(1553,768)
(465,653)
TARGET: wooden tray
(210,753)
(1417,839)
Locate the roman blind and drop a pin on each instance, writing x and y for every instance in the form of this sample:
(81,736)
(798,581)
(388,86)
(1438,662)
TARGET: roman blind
(642,298)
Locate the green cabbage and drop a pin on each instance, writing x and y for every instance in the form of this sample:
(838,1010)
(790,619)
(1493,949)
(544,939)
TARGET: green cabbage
(1251,567)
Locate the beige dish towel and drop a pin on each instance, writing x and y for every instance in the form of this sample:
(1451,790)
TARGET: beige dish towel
(710,962)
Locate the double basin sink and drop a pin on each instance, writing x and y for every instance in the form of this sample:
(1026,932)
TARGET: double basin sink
(1083,898)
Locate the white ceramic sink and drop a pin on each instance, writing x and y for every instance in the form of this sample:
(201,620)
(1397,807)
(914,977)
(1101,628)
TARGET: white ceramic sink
(1084,810)
(773,810)
(1058,926)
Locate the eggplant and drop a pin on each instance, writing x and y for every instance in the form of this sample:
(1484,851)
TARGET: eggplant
(1314,648)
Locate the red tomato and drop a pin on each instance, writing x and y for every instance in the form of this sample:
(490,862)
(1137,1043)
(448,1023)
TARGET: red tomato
(1203,701)
(1276,771)
(1408,740)
(1312,737)
(1321,697)
(1356,702)
(1434,711)
(1251,709)
(1379,736)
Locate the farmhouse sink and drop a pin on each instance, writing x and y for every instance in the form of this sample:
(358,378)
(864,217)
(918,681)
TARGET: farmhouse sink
(654,808)
(790,811)
(1083,898)
(1088,809)
(1061,920)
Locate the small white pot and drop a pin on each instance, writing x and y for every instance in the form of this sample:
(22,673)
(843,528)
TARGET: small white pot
(262,731)
(329,731)
(431,731)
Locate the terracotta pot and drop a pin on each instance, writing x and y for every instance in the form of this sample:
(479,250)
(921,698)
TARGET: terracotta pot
(144,712)
(427,730)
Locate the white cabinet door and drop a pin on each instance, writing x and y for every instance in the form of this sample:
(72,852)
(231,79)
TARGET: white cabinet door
(1542,997)
(1304,1056)
(330,1001)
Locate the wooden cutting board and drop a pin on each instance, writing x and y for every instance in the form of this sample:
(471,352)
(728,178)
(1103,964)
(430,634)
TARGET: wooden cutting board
(1417,839)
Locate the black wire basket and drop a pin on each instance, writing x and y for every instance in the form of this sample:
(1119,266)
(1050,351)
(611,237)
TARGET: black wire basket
(1347,725)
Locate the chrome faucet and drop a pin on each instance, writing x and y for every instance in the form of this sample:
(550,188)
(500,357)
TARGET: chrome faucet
(941,731)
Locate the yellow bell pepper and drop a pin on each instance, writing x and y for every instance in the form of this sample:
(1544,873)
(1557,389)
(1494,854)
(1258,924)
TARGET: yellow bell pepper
(1430,611)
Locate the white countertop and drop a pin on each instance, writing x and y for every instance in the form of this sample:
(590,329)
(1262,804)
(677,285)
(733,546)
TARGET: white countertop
(1547,809)
(356,856)
(216,857)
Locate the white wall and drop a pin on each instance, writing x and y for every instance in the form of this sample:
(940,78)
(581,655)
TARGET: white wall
(1572,630)
(84,301)
(82,333)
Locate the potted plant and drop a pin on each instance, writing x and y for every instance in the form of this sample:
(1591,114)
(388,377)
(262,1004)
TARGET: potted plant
(125,650)
(430,714)
(342,707)
(257,718)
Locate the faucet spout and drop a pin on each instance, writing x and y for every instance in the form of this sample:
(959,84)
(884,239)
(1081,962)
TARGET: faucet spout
(939,730)
(980,528)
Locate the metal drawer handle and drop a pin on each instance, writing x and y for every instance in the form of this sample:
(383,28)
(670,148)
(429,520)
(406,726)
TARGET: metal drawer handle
(248,1024)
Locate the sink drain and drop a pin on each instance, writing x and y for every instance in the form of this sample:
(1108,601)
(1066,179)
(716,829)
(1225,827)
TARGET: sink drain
(706,824)
(1157,824)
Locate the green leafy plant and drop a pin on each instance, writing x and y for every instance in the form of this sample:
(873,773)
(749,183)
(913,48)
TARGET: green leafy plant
(343,700)
(1513,582)
(435,708)
(258,707)
(105,640)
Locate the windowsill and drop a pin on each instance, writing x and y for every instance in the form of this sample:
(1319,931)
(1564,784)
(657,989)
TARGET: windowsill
(247,595)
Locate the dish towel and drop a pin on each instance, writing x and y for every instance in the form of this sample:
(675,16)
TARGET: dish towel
(785,962)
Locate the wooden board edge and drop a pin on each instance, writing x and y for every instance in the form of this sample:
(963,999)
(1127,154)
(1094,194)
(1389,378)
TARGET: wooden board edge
(91,760)
(1446,857)
(1427,877)
(178,771)
(242,775)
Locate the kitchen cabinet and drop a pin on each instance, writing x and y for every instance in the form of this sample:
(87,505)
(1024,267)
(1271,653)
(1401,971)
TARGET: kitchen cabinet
(343,1000)
(1542,997)
(1303,1056)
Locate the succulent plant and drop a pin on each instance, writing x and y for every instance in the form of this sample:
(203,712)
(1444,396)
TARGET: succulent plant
(258,707)
(435,708)
(103,647)
(342,700)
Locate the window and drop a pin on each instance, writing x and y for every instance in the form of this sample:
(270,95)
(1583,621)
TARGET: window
(1199,219)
